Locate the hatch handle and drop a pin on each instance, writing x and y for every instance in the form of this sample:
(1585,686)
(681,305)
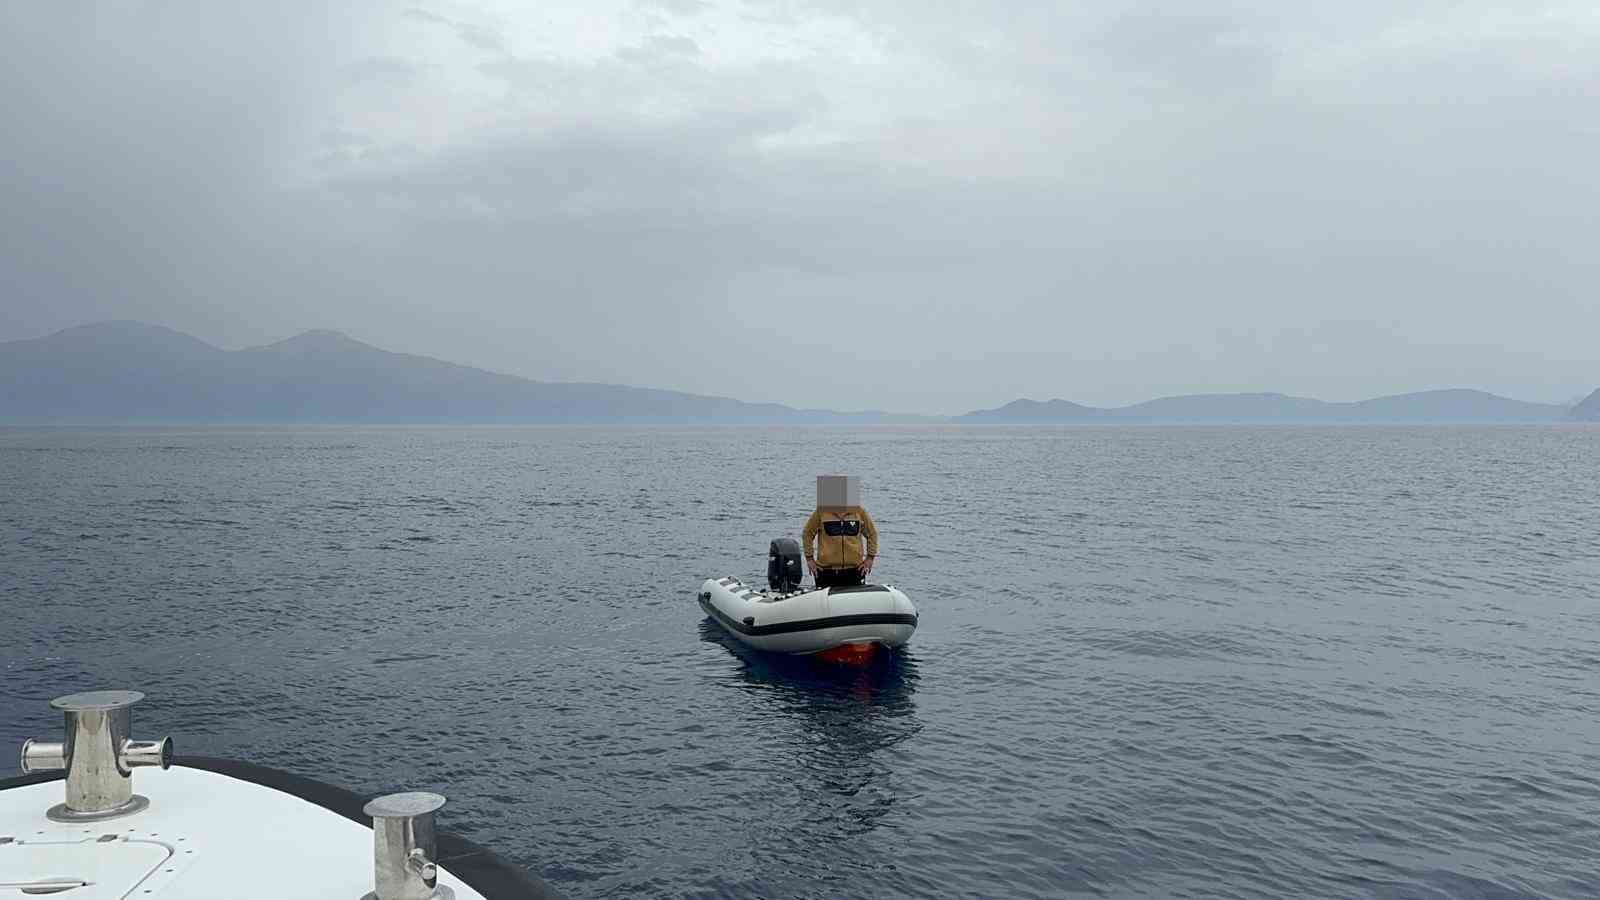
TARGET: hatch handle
(54,886)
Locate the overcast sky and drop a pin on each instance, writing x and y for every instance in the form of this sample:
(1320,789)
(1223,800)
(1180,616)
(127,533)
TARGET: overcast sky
(925,207)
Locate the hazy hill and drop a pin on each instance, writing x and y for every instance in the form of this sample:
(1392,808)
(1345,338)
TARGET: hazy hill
(1457,406)
(1589,409)
(1222,408)
(134,372)
(1035,411)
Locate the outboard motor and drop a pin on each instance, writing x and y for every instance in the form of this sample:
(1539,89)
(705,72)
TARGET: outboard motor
(784,569)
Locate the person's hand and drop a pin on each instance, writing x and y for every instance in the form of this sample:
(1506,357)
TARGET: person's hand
(866,566)
(811,565)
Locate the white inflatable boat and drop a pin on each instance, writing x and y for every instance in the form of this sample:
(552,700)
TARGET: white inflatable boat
(821,620)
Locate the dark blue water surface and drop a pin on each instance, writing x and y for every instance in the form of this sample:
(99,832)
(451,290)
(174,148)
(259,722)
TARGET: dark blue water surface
(1187,662)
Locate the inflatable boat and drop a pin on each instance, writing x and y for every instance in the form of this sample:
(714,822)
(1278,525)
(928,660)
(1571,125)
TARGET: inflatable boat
(787,618)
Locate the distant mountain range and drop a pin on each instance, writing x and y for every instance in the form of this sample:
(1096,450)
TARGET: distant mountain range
(132,372)
(1456,406)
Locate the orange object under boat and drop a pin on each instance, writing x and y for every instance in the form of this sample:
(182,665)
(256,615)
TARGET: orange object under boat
(848,654)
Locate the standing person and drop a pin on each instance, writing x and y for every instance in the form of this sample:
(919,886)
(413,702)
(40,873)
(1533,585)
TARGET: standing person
(840,539)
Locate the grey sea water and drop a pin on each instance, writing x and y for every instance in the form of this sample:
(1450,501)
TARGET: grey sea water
(1186,662)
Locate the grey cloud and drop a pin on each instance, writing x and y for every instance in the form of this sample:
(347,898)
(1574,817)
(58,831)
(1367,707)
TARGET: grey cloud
(526,72)
(658,46)
(422,15)
(385,70)
(680,7)
(479,36)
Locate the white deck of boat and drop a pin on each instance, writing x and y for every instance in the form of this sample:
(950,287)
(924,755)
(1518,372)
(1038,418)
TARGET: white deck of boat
(205,837)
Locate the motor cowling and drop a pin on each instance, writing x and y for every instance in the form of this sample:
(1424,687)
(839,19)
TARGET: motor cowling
(784,567)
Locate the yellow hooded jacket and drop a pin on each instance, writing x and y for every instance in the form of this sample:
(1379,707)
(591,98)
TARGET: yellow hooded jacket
(842,550)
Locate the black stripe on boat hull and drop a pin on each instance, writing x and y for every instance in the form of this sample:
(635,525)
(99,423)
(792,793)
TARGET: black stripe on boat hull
(733,624)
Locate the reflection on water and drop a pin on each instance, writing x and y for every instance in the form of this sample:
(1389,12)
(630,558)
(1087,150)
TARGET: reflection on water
(854,716)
